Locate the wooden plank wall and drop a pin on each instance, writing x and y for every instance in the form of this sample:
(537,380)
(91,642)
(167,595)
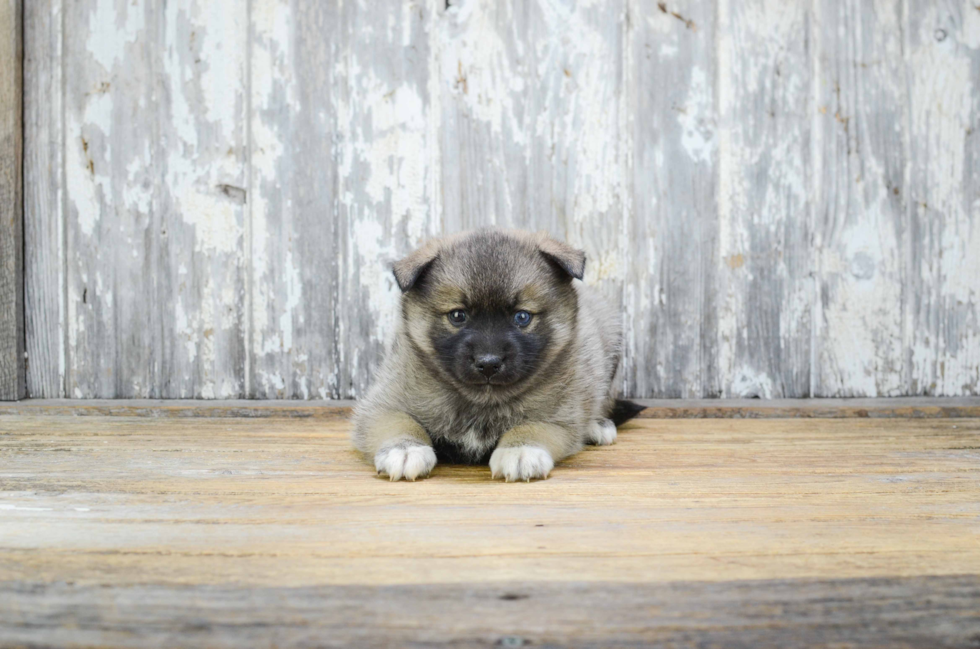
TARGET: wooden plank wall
(781,197)
(12,367)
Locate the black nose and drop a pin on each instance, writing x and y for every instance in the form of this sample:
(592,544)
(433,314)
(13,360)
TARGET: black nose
(488,364)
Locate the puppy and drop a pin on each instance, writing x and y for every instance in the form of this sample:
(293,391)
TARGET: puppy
(499,357)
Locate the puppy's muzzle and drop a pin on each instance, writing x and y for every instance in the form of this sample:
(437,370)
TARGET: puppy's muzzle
(488,364)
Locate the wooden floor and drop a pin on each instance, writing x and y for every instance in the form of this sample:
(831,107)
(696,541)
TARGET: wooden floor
(232,532)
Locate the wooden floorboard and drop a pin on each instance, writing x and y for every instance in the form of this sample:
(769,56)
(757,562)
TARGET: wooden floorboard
(900,407)
(142,532)
(926,612)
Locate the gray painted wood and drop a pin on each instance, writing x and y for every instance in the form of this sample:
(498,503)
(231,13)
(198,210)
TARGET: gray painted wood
(155,171)
(295,250)
(908,612)
(860,226)
(781,197)
(670,317)
(763,287)
(44,182)
(12,371)
(941,338)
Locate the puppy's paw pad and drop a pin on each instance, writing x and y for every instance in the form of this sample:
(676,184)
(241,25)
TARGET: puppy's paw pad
(405,461)
(521,463)
(602,432)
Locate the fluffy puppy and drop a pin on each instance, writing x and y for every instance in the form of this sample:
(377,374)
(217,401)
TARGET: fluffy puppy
(499,357)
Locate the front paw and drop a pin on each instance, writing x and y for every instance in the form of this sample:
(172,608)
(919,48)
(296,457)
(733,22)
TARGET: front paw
(521,463)
(409,461)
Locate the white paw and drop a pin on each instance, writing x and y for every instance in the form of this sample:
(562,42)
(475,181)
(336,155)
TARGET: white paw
(405,461)
(602,432)
(521,463)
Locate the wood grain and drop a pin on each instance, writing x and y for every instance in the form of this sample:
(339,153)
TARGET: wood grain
(763,285)
(780,197)
(745,533)
(12,370)
(942,346)
(860,227)
(44,199)
(155,170)
(898,407)
(295,248)
(288,503)
(923,612)
(669,308)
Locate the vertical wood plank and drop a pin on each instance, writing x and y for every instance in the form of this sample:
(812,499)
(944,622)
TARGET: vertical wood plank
(860,224)
(111,286)
(389,195)
(670,316)
(764,289)
(533,100)
(487,69)
(44,199)
(295,246)
(202,264)
(12,374)
(155,172)
(943,281)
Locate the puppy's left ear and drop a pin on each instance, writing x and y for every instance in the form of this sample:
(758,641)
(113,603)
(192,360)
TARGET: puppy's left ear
(408,270)
(569,259)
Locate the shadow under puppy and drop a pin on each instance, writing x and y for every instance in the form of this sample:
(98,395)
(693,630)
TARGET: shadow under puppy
(499,356)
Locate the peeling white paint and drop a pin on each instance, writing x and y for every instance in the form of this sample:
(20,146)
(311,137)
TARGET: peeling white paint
(112,29)
(696,119)
(414,92)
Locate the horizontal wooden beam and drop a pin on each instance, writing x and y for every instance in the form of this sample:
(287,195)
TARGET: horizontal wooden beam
(899,612)
(12,370)
(904,407)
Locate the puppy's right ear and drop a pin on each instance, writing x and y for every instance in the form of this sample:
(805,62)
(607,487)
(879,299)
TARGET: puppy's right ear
(569,259)
(410,269)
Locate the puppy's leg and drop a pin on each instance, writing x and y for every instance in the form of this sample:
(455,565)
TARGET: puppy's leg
(400,446)
(602,432)
(529,451)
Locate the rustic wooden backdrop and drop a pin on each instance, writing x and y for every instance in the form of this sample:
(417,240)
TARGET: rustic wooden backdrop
(783,197)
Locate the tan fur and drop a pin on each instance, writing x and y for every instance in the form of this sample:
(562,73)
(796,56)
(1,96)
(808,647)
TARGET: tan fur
(415,399)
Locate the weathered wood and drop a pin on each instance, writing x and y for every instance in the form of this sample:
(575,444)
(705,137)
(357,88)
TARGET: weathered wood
(155,169)
(898,407)
(859,187)
(217,531)
(12,370)
(295,247)
(779,196)
(924,612)
(287,502)
(669,308)
(941,340)
(44,199)
(763,286)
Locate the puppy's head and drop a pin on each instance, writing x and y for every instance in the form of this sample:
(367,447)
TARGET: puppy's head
(487,310)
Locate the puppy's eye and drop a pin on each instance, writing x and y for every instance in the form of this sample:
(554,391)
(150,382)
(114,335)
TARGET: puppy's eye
(522,318)
(457,317)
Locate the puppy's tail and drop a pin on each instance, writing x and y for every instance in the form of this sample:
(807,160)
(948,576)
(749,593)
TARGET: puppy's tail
(624,410)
